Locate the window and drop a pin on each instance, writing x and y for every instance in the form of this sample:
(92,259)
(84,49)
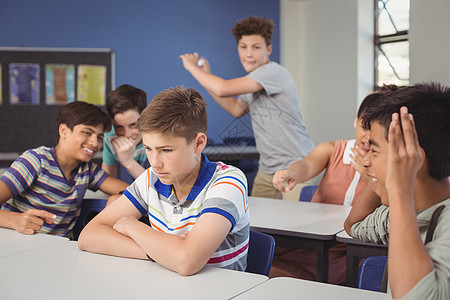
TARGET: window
(391,42)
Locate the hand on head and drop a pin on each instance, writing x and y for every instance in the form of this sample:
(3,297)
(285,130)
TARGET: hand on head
(405,156)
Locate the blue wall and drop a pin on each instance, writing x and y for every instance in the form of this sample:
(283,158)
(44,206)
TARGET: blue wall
(147,37)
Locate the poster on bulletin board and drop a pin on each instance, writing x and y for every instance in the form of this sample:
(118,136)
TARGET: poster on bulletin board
(36,82)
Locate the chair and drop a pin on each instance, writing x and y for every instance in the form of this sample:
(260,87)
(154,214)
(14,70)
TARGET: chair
(371,274)
(307,193)
(89,208)
(260,253)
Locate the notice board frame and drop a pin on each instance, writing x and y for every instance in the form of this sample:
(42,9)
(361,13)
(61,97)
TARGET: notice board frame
(25,126)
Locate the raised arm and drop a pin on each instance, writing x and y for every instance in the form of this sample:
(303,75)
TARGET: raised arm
(223,91)
(304,169)
(409,260)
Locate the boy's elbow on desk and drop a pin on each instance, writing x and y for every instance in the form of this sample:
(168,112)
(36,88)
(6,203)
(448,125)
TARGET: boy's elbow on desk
(83,241)
(347,226)
(188,268)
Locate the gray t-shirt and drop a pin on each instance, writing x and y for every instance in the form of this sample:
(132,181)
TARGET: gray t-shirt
(280,134)
(435,285)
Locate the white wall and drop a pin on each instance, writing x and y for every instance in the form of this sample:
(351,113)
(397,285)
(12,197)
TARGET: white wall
(429,38)
(327,47)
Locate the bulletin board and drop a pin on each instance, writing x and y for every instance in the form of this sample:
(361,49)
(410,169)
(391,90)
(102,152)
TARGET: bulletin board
(37,82)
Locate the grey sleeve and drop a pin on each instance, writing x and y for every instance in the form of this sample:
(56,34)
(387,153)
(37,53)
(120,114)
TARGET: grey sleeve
(271,76)
(374,228)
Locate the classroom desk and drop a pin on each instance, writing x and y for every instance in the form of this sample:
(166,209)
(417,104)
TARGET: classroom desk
(357,249)
(302,225)
(230,152)
(62,271)
(291,288)
(13,242)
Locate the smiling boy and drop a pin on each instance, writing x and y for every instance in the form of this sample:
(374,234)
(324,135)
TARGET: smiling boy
(43,189)
(409,163)
(197,209)
(124,147)
(269,94)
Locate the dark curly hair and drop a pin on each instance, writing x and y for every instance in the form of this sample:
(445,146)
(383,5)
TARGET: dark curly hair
(254,25)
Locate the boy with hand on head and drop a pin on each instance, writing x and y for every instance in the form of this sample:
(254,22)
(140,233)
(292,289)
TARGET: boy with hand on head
(124,146)
(342,183)
(409,162)
(269,93)
(197,209)
(43,189)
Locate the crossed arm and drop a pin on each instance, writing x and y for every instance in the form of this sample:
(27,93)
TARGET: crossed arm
(117,231)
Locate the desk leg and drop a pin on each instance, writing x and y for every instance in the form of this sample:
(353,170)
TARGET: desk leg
(352,270)
(322,263)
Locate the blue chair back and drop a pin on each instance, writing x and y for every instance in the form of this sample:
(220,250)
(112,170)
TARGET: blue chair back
(308,192)
(89,208)
(260,253)
(371,273)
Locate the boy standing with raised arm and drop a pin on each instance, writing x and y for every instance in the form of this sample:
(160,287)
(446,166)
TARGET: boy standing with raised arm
(124,148)
(409,163)
(43,189)
(269,93)
(197,209)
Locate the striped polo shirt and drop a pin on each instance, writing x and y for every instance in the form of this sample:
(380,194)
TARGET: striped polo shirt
(36,181)
(219,188)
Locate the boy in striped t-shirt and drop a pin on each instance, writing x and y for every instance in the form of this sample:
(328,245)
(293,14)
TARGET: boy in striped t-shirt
(43,189)
(197,209)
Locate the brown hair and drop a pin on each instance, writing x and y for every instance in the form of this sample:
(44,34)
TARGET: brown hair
(79,112)
(177,112)
(254,25)
(372,97)
(124,98)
